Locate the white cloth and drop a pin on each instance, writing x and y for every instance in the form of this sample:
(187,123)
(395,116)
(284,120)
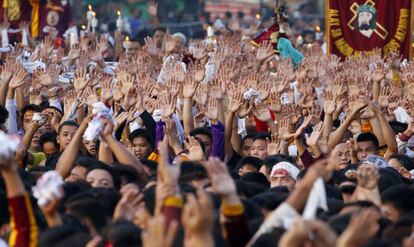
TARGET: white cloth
(11,123)
(283,216)
(316,199)
(47,187)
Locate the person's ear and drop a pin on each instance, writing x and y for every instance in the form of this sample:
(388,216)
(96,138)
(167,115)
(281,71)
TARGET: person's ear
(58,139)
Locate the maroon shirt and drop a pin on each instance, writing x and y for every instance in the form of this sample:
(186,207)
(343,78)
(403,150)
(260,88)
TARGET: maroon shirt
(55,14)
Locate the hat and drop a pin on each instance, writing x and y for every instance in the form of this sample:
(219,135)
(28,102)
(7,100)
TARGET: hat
(285,168)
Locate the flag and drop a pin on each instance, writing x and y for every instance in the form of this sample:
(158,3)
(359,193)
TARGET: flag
(355,26)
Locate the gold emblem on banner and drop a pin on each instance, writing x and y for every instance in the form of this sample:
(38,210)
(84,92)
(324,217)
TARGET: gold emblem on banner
(52,18)
(365,20)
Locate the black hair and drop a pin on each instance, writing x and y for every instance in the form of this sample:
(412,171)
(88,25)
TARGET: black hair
(48,137)
(368,137)
(68,123)
(249,189)
(123,233)
(63,236)
(141,133)
(87,206)
(270,239)
(400,196)
(254,161)
(128,174)
(159,28)
(262,136)
(152,165)
(29,107)
(149,199)
(270,200)
(192,171)
(248,136)
(201,131)
(88,162)
(398,127)
(256,177)
(115,177)
(406,162)
(4,114)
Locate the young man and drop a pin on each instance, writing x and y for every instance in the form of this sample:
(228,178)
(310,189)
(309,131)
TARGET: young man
(259,146)
(142,143)
(367,145)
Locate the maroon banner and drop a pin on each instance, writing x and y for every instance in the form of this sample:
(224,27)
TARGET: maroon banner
(355,26)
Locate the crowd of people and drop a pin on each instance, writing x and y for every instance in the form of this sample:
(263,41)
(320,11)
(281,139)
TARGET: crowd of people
(210,142)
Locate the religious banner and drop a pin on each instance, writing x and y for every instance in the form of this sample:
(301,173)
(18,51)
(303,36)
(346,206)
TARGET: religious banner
(355,26)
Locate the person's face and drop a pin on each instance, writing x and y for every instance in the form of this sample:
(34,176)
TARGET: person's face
(90,146)
(259,149)
(282,180)
(390,212)
(142,149)
(207,142)
(364,18)
(340,154)
(27,119)
(246,169)
(76,174)
(179,44)
(49,148)
(99,178)
(245,148)
(65,136)
(366,148)
(158,37)
(35,140)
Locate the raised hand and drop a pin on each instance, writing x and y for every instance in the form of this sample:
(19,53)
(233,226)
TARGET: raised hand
(299,132)
(90,96)
(151,47)
(273,146)
(198,215)
(199,51)
(284,132)
(265,51)
(130,98)
(50,76)
(261,112)
(213,111)
(217,89)
(235,102)
(384,97)
(168,105)
(158,234)
(274,104)
(328,102)
(80,80)
(245,109)
(6,72)
(18,79)
(315,137)
(195,152)
(106,92)
(221,181)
